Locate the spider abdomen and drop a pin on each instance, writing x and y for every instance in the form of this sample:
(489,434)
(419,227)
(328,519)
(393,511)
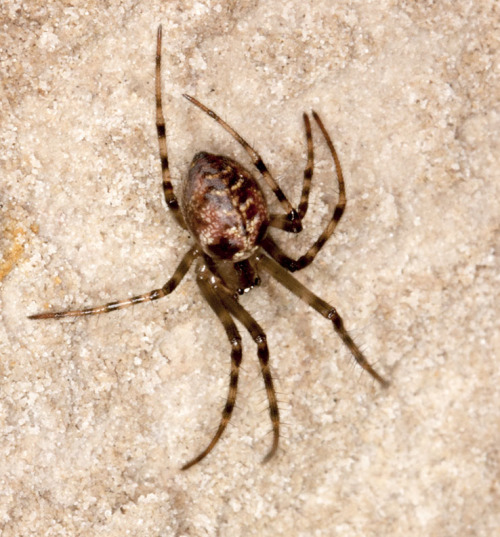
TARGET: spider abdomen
(224,207)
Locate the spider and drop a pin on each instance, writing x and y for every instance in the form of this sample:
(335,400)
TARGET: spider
(225,211)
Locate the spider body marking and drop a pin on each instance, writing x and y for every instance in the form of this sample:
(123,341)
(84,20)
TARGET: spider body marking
(224,207)
(226,212)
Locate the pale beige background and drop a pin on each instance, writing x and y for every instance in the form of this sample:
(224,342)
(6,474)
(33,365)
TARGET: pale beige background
(97,415)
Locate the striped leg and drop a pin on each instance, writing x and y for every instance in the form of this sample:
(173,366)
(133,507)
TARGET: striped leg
(210,294)
(303,261)
(168,190)
(322,307)
(280,221)
(258,335)
(174,281)
(292,216)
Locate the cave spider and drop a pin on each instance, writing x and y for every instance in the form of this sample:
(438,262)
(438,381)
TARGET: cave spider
(224,209)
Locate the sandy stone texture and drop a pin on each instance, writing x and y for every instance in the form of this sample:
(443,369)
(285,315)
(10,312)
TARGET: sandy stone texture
(97,415)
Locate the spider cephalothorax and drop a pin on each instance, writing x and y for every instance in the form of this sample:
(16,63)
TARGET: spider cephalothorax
(225,210)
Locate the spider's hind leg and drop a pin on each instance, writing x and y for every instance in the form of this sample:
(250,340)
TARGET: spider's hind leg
(293,220)
(272,248)
(168,189)
(281,221)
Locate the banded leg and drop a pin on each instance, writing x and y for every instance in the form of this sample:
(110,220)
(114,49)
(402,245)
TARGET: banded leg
(328,312)
(210,294)
(168,189)
(258,335)
(303,261)
(294,223)
(174,281)
(279,220)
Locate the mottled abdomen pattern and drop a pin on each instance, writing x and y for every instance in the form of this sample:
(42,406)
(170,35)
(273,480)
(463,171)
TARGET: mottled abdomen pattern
(224,207)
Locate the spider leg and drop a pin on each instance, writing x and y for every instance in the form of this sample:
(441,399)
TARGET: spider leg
(280,221)
(303,261)
(329,312)
(294,223)
(168,190)
(210,293)
(172,283)
(258,335)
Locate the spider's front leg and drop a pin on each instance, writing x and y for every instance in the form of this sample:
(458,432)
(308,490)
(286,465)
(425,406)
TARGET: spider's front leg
(174,281)
(208,285)
(226,306)
(259,336)
(322,307)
